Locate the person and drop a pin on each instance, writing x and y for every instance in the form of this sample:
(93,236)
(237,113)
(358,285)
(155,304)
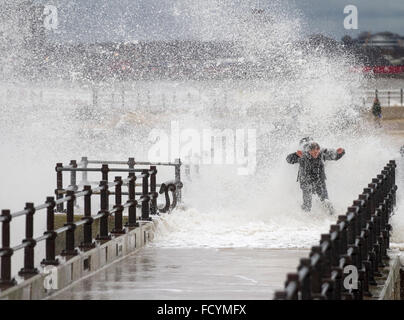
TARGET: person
(377,111)
(311,173)
(304,142)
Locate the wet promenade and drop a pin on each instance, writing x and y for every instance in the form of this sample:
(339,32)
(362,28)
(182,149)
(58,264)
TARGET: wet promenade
(190,273)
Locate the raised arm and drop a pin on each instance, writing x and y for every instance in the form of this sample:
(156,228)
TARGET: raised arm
(333,154)
(293,158)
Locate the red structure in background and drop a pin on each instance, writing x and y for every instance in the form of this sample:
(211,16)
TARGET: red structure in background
(379,69)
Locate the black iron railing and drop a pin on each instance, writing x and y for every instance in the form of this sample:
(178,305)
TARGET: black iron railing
(146,200)
(173,186)
(357,242)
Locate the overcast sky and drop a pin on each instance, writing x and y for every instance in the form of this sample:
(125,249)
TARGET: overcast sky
(131,20)
(374,15)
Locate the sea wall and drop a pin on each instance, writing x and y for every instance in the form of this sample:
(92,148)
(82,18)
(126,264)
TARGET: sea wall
(51,280)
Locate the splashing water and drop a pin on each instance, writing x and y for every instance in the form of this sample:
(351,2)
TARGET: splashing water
(305,91)
(307,94)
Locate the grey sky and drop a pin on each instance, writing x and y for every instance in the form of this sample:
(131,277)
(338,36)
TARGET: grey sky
(375,16)
(105,20)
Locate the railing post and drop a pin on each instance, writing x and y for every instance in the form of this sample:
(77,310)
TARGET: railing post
(104,171)
(384,230)
(59,186)
(104,236)
(343,232)
(366,263)
(376,184)
(84,176)
(293,277)
(118,205)
(131,163)
(356,222)
(317,271)
(133,203)
(69,246)
(371,252)
(6,252)
(327,255)
(178,179)
(347,294)
(379,239)
(153,192)
(389,186)
(357,262)
(389,208)
(365,196)
(331,265)
(361,213)
(88,226)
(383,184)
(375,246)
(338,285)
(306,282)
(401,96)
(337,243)
(73,175)
(118,190)
(50,229)
(145,196)
(29,268)
(392,164)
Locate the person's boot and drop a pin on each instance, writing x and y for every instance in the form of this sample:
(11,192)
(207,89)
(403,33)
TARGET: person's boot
(328,205)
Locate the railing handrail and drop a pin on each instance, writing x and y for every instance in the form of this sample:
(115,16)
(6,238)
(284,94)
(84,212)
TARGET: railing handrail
(131,161)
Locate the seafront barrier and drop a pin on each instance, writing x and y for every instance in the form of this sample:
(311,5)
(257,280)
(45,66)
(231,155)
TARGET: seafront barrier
(353,260)
(97,248)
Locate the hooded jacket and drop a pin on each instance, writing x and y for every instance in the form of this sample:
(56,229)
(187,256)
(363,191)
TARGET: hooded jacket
(311,170)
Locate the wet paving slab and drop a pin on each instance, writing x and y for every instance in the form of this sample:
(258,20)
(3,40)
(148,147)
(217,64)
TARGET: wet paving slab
(190,273)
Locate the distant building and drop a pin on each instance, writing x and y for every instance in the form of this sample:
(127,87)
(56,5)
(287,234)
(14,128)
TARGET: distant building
(385,40)
(378,49)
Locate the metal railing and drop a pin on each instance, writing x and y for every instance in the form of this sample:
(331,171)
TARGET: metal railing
(174,186)
(359,239)
(147,202)
(387,97)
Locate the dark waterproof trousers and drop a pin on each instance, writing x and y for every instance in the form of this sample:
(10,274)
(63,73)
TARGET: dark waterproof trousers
(309,189)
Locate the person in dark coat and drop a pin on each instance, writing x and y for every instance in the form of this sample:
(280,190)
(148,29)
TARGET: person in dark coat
(311,172)
(377,111)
